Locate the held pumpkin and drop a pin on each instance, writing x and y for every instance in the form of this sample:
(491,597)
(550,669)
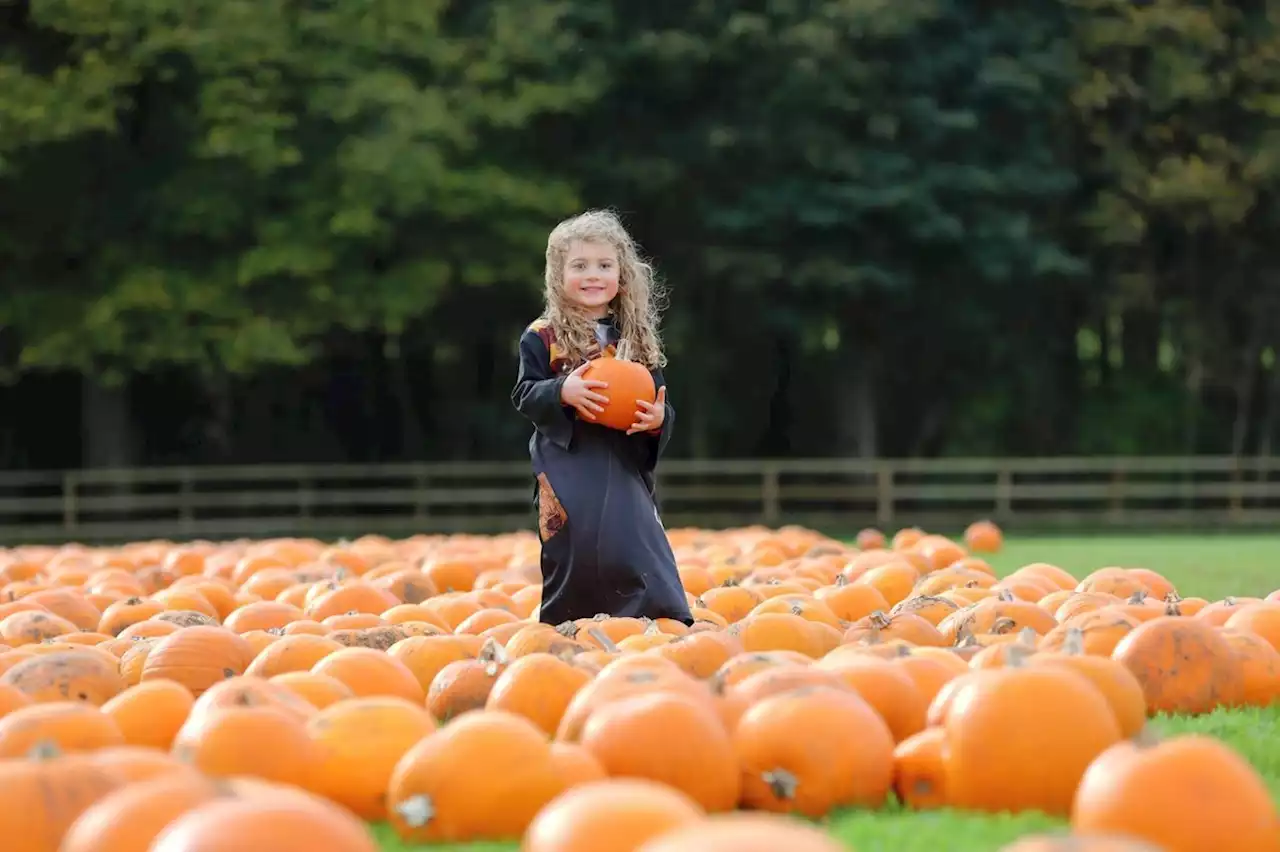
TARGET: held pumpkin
(628,381)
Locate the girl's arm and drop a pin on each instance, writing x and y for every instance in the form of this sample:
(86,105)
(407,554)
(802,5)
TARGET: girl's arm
(655,443)
(536,394)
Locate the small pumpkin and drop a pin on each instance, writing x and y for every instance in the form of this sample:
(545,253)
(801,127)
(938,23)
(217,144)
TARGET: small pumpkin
(1183,794)
(628,382)
(1020,738)
(197,657)
(284,822)
(669,737)
(744,831)
(88,675)
(796,753)
(257,741)
(443,789)
(1184,665)
(360,742)
(613,815)
(46,793)
(538,687)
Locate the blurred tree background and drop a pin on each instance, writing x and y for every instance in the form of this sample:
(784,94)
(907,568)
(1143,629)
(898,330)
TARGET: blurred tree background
(312,230)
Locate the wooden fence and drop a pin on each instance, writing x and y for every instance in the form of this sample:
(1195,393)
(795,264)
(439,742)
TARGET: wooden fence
(841,495)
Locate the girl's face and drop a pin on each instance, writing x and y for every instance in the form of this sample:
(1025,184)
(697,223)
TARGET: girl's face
(591,276)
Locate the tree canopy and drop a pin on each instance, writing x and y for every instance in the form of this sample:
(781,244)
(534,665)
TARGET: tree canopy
(280,230)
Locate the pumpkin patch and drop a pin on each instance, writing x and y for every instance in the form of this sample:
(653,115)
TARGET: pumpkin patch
(381,694)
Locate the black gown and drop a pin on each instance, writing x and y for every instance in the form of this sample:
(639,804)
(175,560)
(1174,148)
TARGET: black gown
(604,549)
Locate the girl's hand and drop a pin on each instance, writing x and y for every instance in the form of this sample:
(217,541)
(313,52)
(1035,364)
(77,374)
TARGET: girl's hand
(650,415)
(579,393)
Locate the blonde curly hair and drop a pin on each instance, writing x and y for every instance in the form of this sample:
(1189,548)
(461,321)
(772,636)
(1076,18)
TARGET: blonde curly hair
(636,308)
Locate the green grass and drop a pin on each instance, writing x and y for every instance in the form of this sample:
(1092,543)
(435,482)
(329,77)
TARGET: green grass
(1210,566)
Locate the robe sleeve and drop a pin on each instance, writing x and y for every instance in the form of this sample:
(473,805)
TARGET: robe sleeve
(655,443)
(536,394)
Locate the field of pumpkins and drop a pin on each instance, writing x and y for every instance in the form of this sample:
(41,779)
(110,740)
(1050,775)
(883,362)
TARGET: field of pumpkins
(893,693)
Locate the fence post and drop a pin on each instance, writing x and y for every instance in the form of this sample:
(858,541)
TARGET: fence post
(884,495)
(420,486)
(770,498)
(304,497)
(185,516)
(70,512)
(1237,496)
(1004,493)
(1115,502)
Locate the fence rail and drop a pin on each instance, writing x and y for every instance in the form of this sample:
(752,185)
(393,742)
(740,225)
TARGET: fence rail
(838,493)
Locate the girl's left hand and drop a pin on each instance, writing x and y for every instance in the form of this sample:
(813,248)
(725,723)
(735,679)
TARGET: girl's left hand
(649,415)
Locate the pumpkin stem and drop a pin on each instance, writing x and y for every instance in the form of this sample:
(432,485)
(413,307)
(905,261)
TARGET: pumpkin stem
(879,620)
(1172,608)
(567,629)
(44,750)
(841,581)
(416,811)
(1173,597)
(1137,598)
(1006,596)
(796,609)
(492,654)
(1148,737)
(782,784)
(651,627)
(605,642)
(565,653)
(1073,644)
(1002,625)
(1016,654)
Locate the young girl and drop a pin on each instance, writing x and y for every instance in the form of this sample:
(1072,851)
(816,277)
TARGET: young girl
(604,549)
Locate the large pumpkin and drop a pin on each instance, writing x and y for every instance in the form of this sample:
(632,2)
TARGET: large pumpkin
(628,381)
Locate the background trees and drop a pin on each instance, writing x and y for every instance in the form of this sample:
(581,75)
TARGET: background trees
(236,231)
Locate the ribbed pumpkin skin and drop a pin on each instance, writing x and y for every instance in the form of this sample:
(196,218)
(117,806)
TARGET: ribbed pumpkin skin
(628,382)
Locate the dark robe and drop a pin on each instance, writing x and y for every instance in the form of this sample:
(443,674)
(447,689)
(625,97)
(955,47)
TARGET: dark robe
(604,549)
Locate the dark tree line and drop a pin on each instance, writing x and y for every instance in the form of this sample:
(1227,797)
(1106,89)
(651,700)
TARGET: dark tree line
(303,231)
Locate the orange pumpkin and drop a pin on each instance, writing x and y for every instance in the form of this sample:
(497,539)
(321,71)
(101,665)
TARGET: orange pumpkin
(285,822)
(745,832)
(608,815)
(360,741)
(628,381)
(783,771)
(1020,739)
(44,796)
(198,657)
(443,788)
(77,675)
(1186,793)
(669,737)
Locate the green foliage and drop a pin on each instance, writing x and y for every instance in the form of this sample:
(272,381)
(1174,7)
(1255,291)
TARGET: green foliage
(229,180)
(918,209)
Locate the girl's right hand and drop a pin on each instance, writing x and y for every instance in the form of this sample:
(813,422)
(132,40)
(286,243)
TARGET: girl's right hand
(580,393)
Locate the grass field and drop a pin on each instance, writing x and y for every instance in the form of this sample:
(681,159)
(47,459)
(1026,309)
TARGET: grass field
(1213,567)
